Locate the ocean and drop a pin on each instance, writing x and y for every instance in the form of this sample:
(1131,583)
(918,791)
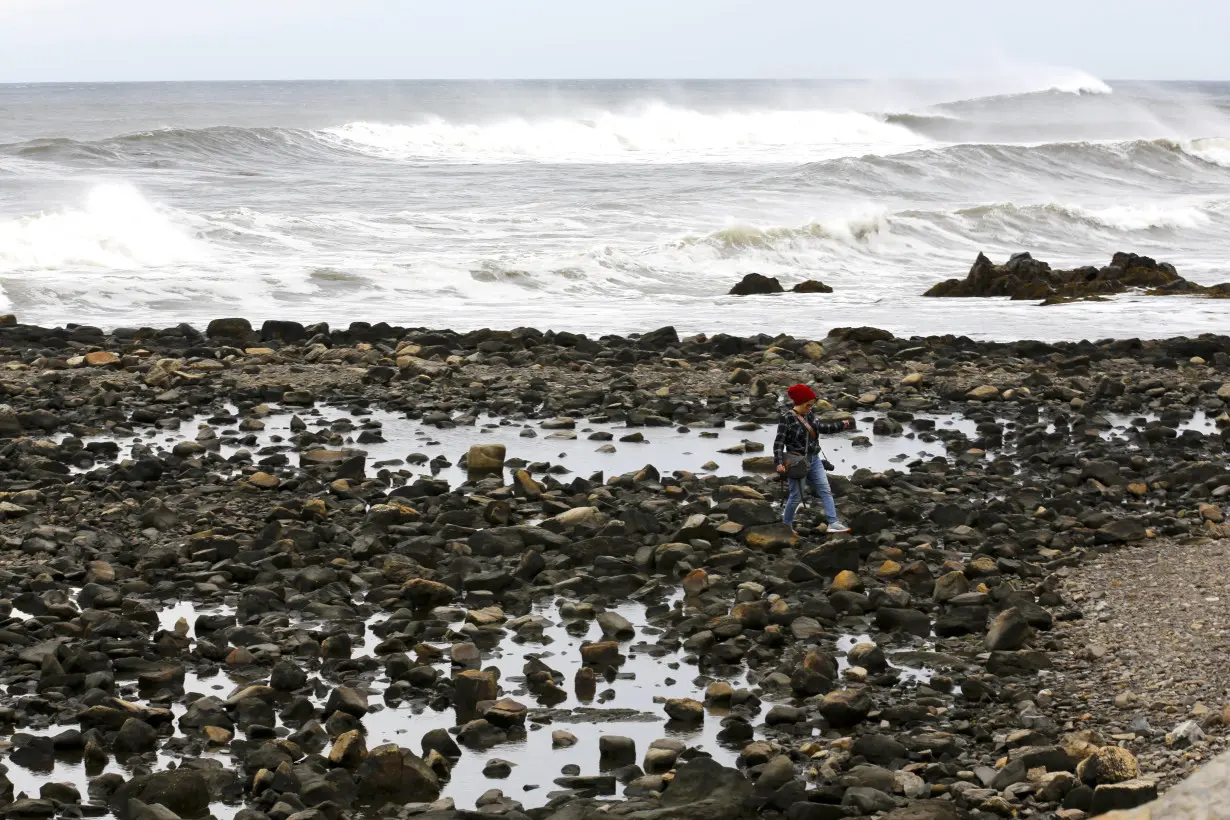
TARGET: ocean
(606,206)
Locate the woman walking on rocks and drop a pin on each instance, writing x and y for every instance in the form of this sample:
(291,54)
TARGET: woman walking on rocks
(796,454)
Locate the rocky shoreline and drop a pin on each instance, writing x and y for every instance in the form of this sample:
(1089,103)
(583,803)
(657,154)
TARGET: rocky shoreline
(934,664)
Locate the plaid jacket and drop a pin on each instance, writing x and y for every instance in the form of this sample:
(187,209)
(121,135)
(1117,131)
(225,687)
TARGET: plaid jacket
(792,436)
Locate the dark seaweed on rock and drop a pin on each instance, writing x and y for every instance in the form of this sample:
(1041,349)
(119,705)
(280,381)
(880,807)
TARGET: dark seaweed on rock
(1023,277)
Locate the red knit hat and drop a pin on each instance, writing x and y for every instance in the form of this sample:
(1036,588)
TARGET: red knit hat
(801,394)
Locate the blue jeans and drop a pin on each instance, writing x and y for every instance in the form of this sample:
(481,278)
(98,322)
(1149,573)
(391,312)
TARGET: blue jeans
(819,480)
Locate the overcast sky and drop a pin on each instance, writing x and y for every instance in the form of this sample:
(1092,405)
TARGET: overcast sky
(97,40)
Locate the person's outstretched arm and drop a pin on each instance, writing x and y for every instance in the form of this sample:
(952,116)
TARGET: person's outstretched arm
(830,427)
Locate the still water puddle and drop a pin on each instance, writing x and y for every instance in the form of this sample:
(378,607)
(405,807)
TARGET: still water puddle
(392,441)
(629,705)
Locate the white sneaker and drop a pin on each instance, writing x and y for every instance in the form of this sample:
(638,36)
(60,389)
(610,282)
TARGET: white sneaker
(837,529)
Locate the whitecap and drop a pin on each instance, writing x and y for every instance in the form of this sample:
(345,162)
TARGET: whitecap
(114,228)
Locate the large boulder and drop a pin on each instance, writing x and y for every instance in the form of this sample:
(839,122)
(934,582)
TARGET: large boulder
(845,707)
(756,284)
(486,458)
(392,773)
(233,329)
(751,513)
(708,789)
(183,791)
(811,286)
(472,687)
(283,331)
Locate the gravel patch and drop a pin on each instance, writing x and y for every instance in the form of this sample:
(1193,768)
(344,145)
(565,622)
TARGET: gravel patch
(1150,652)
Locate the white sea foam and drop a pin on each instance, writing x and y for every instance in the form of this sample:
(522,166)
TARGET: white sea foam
(656,133)
(114,228)
(1077,82)
(1210,149)
(860,228)
(1146,217)
(1012,77)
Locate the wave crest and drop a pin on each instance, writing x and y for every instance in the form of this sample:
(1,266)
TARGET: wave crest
(116,228)
(858,229)
(658,133)
(1121,218)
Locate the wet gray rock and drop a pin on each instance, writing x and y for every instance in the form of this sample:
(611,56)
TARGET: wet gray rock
(880,748)
(1008,631)
(287,676)
(708,789)
(893,619)
(614,625)
(393,773)
(347,700)
(135,737)
(616,751)
(183,791)
(845,707)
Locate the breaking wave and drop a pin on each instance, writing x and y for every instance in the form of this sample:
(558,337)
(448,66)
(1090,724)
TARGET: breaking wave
(115,228)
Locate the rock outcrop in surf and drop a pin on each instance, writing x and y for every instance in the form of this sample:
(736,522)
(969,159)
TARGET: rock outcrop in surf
(1024,278)
(757,284)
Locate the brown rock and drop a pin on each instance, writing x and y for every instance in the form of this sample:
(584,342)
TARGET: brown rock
(486,458)
(264,481)
(506,713)
(527,486)
(888,570)
(685,710)
(217,735)
(425,594)
(845,707)
(1109,764)
(847,581)
(695,582)
(949,586)
(719,693)
(240,656)
(101,358)
(771,537)
(472,687)
(99,572)
(349,750)
(602,653)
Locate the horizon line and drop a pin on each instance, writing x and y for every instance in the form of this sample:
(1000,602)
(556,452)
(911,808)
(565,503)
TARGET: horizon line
(9,83)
